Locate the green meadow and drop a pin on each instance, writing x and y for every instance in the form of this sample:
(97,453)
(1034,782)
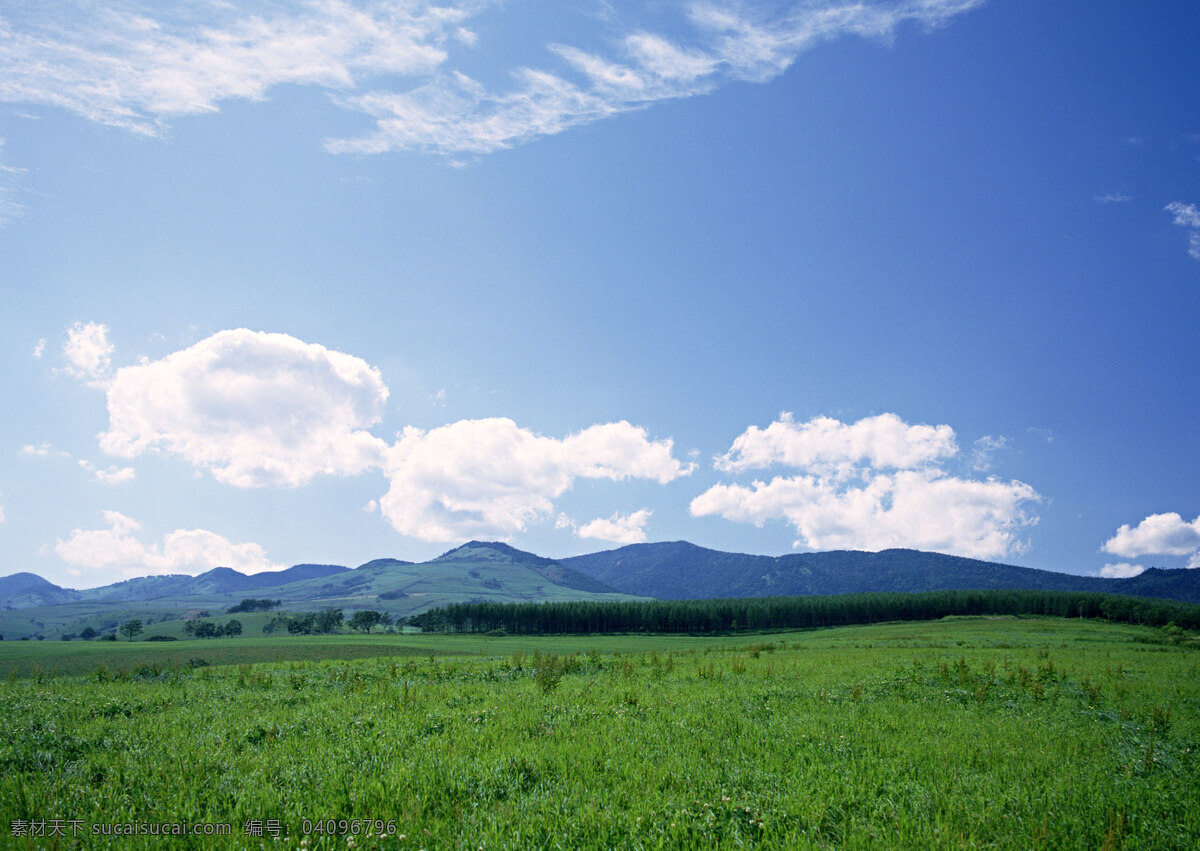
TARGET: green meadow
(959,733)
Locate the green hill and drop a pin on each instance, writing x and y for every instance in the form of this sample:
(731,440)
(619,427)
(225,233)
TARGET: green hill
(474,572)
(679,570)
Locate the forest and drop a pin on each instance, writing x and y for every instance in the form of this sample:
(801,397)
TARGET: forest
(758,613)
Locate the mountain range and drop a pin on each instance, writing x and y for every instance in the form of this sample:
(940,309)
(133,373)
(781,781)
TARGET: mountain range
(680,570)
(477,571)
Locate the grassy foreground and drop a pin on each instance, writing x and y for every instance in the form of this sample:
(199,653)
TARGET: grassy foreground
(1011,733)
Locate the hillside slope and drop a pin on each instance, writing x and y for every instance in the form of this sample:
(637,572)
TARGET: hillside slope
(680,570)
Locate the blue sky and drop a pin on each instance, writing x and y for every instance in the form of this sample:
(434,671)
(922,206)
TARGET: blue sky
(326,281)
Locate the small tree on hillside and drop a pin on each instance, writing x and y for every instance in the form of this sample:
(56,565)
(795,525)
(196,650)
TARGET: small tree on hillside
(88,633)
(131,628)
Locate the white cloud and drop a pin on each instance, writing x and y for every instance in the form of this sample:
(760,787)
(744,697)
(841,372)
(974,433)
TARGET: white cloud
(490,477)
(457,114)
(1187,216)
(253,408)
(182,551)
(1042,433)
(40,348)
(1122,570)
(9,208)
(871,485)
(836,448)
(1113,198)
(43,450)
(983,450)
(89,353)
(1158,534)
(139,64)
(111,476)
(620,529)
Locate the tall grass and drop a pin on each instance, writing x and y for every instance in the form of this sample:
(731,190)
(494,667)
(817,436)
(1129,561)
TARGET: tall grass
(1010,734)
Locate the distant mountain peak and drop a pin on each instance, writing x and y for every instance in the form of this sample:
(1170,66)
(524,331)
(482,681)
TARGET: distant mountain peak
(491,551)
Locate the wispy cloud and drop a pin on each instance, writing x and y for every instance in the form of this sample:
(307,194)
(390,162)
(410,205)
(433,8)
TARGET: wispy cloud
(141,64)
(113,475)
(138,65)
(984,449)
(9,208)
(1187,216)
(1113,198)
(457,114)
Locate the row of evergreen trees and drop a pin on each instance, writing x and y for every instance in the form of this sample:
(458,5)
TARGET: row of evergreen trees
(755,613)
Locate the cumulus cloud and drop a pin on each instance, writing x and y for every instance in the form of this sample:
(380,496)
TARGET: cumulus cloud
(490,477)
(139,64)
(874,484)
(89,353)
(253,408)
(836,448)
(1122,570)
(1158,534)
(620,528)
(1187,216)
(192,551)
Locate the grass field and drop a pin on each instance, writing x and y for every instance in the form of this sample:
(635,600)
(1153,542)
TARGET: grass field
(1009,733)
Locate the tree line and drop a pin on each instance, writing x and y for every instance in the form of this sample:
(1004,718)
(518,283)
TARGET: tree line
(325,621)
(756,613)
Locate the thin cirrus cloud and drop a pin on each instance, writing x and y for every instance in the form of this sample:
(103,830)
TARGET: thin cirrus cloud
(111,475)
(141,64)
(9,207)
(454,113)
(1187,216)
(1158,534)
(256,409)
(873,484)
(118,547)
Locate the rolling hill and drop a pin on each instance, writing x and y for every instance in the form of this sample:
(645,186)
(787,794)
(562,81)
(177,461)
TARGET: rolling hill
(476,571)
(679,570)
(495,572)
